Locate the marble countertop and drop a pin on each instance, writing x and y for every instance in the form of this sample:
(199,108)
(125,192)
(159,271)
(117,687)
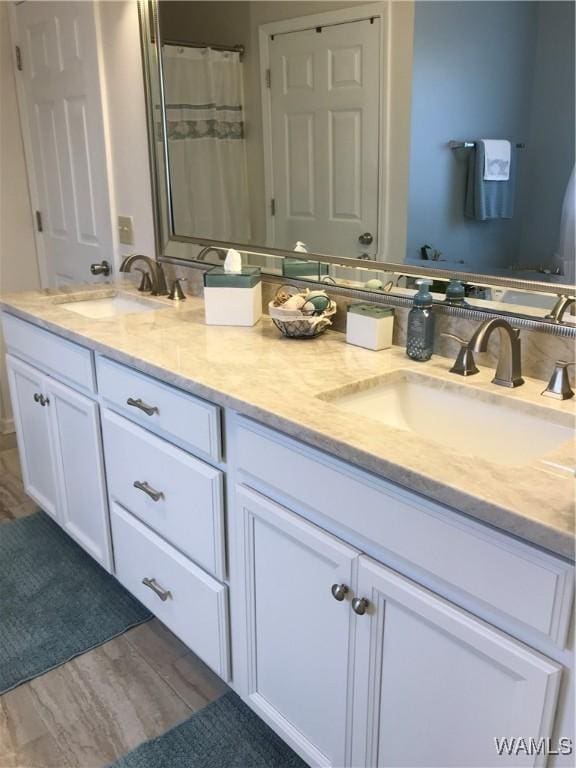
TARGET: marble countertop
(278,381)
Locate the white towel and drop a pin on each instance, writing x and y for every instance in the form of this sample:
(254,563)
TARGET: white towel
(497,153)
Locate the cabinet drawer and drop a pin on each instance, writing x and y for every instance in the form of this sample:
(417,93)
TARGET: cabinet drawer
(499,578)
(189,510)
(191,603)
(64,359)
(176,415)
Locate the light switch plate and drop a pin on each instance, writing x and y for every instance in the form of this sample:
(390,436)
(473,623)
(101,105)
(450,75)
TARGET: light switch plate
(126,230)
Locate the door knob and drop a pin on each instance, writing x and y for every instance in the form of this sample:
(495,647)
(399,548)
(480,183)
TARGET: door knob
(359,605)
(103,268)
(366,238)
(339,592)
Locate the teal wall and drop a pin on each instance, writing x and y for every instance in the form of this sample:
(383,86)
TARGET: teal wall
(490,70)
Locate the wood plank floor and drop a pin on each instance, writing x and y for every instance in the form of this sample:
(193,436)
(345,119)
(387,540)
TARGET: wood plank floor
(97,707)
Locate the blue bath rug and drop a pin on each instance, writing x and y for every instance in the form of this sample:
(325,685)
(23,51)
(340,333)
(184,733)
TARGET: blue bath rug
(56,602)
(225,734)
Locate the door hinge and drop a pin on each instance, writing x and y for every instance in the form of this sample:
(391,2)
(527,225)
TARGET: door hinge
(273,207)
(39,225)
(268,78)
(18,58)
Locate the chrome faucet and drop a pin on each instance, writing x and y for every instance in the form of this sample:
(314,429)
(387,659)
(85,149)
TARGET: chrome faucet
(560,307)
(559,385)
(205,251)
(509,367)
(157,277)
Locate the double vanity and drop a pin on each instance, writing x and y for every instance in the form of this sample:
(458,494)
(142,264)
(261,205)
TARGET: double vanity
(375,554)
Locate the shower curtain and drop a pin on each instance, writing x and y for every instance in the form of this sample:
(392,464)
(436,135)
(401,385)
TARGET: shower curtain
(206,146)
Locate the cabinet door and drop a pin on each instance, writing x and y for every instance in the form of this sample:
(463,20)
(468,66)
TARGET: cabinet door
(32,420)
(80,470)
(294,670)
(435,686)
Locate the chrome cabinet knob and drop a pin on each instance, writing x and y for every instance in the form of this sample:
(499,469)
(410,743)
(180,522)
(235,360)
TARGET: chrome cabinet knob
(41,399)
(37,397)
(366,239)
(359,605)
(339,592)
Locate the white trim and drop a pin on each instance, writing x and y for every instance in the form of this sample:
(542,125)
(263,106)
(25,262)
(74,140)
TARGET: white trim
(28,155)
(382,10)
(108,139)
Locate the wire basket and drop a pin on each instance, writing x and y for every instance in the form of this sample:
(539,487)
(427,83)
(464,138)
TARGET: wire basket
(295,325)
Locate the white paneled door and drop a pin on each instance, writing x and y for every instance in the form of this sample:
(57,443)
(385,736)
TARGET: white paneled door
(296,599)
(436,687)
(325,110)
(30,401)
(61,107)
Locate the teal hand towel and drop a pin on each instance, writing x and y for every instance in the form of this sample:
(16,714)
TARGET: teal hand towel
(486,200)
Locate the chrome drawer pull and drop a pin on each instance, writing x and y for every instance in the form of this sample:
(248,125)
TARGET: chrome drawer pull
(152,584)
(143,486)
(149,410)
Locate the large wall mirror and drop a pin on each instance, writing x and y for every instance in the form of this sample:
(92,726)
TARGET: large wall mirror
(409,136)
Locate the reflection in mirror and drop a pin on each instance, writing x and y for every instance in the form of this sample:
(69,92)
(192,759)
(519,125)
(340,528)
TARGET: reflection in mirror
(274,127)
(439,135)
(493,70)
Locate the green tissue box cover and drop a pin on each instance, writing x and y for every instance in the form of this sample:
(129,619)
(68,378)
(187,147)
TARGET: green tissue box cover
(298,268)
(219,278)
(371,310)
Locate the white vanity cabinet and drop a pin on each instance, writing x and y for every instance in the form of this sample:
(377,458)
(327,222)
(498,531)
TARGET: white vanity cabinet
(296,625)
(80,468)
(366,624)
(434,686)
(33,426)
(61,455)
(167,505)
(389,675)
(395,674)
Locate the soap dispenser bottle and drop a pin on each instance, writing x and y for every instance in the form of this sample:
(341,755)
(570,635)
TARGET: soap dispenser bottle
(420,334)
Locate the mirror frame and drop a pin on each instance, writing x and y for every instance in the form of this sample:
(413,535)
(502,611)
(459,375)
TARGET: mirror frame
(164,235)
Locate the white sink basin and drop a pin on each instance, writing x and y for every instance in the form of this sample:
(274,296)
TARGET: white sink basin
(109,306)
(472,422)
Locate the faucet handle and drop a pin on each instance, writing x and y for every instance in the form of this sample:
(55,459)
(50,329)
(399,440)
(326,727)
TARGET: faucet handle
(464,364)
(145,282)
(176,292)
(559,385)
